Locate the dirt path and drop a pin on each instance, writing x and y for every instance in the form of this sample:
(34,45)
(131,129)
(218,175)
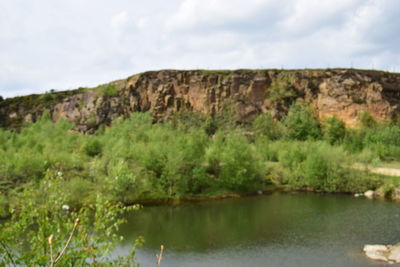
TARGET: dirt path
(378,170)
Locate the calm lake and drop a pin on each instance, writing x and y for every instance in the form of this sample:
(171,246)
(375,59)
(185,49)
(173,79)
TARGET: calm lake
(281,229)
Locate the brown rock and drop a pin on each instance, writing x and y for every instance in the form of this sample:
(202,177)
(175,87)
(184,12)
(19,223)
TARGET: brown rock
(338,92)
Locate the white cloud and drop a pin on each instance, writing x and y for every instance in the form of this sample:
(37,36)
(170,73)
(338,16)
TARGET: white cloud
(194,14)
(46,44)
(119,20)
(314,14)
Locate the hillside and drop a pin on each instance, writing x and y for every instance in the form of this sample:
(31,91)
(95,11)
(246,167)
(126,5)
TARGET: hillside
(344,93)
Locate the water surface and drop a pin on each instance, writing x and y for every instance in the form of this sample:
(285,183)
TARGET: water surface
(281,229)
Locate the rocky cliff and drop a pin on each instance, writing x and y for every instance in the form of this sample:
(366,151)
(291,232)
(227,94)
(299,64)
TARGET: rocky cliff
(344,93)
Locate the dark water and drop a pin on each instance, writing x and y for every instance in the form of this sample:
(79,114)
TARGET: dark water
(273,230)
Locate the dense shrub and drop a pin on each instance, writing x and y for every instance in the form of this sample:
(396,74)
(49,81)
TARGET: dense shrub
(93,148)
(266,125)
(384,134)
(301,124)
(281,90)
(334,130)
(234,163)
(325,168)
(138,159)
(109,90)
(354,140)
(366,120)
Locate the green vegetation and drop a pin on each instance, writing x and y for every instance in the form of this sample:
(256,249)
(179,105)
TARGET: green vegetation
(44,231)
(334,130)
(108,89)
(47,166)
(282,92)
(281,89)
(301,124)
(136,159)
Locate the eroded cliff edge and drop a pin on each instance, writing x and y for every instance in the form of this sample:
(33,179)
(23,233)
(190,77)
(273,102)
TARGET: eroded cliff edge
(344,93)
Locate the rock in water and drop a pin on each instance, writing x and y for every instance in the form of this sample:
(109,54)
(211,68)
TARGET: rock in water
(394,254)
(369,194)
(376,252)
(385,253)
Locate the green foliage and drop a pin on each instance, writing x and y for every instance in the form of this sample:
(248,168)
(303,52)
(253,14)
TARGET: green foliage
(93,148)
(366,120)
(188,119)
(41,224)
(322,167)
(48,96)
(383,134)
(78,191)
(334,130)
(301,124)
(234,164)
(123,182)
(281,90)
(108,89)
(226,118)
(354,140)
(4,210)
(385,141)
(136,159)
(265,124)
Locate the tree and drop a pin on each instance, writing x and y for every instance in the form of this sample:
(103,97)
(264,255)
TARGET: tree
(334,130)
(44,231)
(301,123)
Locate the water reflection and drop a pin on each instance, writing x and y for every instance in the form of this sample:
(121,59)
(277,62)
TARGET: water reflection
(278,229)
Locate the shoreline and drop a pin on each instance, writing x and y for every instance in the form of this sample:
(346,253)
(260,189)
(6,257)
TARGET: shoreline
(235,195)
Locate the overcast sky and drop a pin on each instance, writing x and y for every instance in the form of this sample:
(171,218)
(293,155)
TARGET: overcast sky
(47,44)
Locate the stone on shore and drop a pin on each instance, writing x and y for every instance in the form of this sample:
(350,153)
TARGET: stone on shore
(395,253)
(369,194)
(390,254)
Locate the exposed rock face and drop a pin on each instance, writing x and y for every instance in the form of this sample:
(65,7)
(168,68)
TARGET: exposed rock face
(341,92)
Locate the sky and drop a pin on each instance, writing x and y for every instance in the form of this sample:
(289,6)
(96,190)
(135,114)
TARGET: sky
(47,44)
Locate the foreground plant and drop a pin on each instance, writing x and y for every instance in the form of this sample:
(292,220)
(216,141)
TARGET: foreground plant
(43,231)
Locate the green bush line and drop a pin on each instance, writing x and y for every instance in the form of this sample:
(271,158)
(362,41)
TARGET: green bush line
(192,155)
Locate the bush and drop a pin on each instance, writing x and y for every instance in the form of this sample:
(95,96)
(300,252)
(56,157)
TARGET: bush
(188,120)
(78,191)
(109,90)
(334,130)
(235,163)
(123,182)
(41,222)
(265,124)
(384,134)
(281,90)
(93,148)
(328,169)
(354,140)
(3,206)
(301,124)
(366,120)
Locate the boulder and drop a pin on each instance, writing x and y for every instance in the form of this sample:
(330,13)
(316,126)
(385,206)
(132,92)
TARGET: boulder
(396,194)
(390,254)
(394,254)
(369,194)
(377,252)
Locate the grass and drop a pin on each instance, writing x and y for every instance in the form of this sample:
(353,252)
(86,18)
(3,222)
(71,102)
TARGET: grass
(109,90)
